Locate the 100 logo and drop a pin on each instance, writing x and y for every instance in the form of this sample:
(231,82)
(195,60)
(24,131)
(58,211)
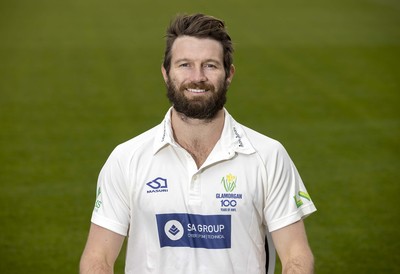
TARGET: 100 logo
(228,203)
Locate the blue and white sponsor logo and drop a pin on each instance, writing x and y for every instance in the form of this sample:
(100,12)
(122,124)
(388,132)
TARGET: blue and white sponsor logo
(195,231)
(157,185)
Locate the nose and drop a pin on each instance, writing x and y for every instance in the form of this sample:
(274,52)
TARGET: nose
(198,75)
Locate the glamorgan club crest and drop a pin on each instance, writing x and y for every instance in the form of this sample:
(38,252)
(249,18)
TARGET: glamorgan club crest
(229,200)
(229,182)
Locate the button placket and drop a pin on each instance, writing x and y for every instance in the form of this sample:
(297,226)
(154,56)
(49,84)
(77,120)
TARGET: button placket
(195,189)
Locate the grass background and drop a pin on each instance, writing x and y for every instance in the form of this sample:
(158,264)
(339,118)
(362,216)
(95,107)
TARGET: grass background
(79,77)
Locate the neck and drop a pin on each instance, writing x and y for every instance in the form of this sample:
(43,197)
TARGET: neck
(197,136)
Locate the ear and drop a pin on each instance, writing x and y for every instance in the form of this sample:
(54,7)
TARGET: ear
(231,73)
(164,74)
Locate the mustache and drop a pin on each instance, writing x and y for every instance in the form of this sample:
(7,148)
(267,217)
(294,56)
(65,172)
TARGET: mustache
(205,86)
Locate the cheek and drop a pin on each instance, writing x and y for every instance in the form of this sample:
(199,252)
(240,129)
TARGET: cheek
(177,79)
(216,77)
(219,82)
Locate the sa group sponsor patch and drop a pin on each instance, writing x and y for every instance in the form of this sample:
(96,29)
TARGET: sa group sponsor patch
(193,230)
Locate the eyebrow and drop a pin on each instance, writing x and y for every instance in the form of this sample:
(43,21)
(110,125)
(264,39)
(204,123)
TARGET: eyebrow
(210,60)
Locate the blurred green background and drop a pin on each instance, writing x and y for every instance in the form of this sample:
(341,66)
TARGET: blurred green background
(79,77)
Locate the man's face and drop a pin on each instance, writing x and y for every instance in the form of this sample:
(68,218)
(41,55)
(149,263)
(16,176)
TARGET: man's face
(196,82)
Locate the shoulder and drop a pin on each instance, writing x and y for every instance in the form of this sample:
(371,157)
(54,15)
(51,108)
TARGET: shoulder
(261,142)
(270,151)
(249,137)
(141,143)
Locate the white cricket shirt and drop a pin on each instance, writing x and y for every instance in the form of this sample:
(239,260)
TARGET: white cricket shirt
(211,220)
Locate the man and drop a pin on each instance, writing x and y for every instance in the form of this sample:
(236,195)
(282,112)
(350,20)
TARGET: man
(199,193)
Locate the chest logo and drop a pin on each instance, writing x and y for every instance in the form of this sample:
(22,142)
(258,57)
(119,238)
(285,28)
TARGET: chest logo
(229,182)
(157,185)
(229,199)
(194,230)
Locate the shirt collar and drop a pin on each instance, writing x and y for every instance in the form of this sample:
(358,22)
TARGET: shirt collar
(233,137)
(164,134)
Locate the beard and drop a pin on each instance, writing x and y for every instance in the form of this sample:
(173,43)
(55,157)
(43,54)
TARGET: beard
(200,107)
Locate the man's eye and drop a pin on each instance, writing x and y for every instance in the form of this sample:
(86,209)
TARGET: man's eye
(210,66)
(184,65)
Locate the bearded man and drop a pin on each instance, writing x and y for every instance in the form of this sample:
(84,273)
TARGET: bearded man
(199,193)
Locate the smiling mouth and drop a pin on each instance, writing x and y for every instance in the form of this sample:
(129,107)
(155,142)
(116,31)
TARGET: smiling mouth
(195,90)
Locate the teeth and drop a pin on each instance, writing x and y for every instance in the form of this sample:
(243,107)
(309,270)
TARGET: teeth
(196,90)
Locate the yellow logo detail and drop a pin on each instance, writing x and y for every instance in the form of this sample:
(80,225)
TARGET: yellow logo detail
(301,194)
(229,182)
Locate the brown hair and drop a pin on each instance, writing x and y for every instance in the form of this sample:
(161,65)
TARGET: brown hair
(200,26)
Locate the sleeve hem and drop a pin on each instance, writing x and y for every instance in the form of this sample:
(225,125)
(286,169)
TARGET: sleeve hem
(301,213)
(109,224)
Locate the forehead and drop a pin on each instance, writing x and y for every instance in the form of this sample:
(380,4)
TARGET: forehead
(192,48)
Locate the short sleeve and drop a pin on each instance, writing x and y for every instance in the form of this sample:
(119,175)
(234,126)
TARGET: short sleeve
(287,198)
(111,209)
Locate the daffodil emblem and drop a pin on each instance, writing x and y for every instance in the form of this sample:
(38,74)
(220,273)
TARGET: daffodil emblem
(229,182)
